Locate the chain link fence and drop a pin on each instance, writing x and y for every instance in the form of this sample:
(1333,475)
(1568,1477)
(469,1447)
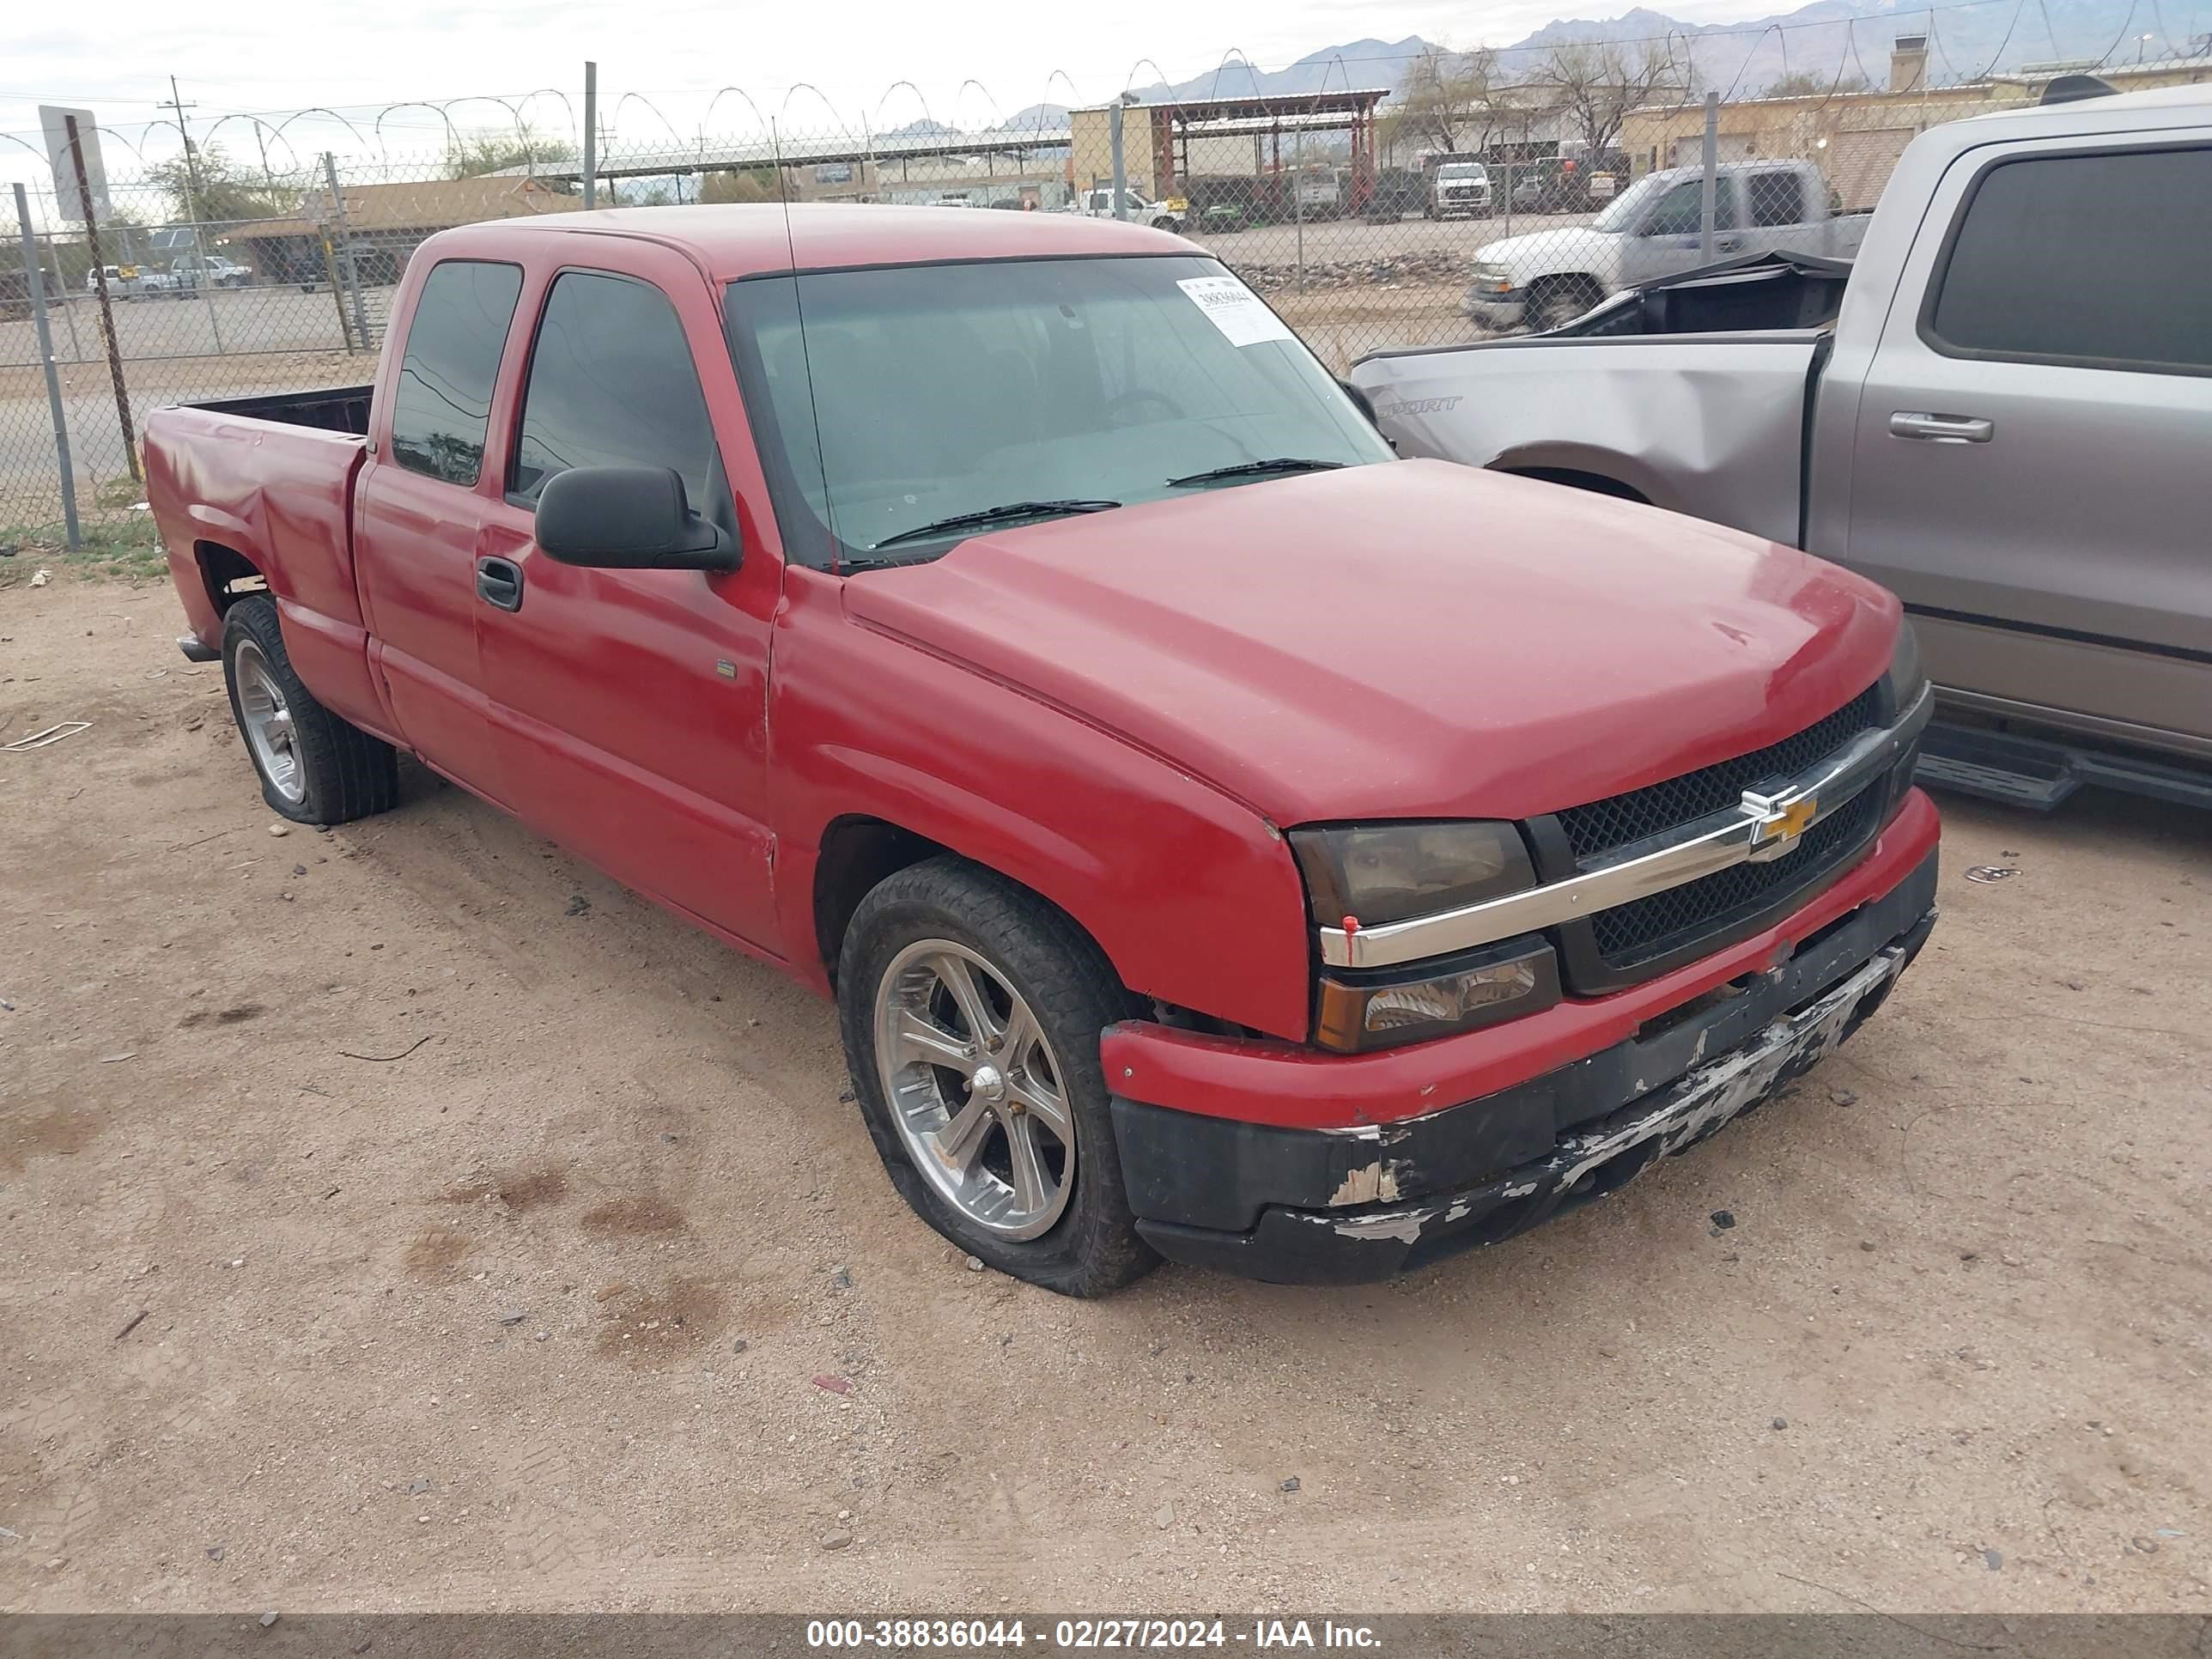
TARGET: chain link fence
(1457,204)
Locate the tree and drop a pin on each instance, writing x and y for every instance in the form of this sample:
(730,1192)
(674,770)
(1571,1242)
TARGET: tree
(1448,105)
(1595,83)
(473,154)
(212,187)
(1801,83)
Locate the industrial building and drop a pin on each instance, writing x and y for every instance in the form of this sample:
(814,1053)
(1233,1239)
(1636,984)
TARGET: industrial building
(1858,137)
(1165,147)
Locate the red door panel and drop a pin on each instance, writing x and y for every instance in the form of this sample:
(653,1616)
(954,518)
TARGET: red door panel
(417,538)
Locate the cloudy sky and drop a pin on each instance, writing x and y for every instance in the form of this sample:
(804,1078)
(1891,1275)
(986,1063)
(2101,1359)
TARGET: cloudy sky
(271,57)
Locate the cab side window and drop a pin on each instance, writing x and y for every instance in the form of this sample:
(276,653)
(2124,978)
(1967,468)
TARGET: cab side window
(442,406)
(1682,210)
(1778,199)
(613,383)
(2002,292)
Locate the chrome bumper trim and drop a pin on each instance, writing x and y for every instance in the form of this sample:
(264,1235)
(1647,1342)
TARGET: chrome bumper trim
(1759,828)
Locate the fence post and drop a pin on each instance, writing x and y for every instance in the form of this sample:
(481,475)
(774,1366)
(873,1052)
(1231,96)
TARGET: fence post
(1707,198)
(338,293)
(591,135)
(1121,172)
(68,312)
(34,278)
(346,266)
(106,307)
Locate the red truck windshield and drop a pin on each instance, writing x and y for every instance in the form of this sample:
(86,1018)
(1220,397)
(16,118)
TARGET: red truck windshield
(918,394)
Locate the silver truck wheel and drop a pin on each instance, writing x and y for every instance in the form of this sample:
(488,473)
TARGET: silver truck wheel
(266,721)
(975,1088)
(971,1011)
(314,767)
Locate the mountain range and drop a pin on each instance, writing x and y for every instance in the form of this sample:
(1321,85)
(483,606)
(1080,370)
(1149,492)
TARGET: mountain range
(1828,40)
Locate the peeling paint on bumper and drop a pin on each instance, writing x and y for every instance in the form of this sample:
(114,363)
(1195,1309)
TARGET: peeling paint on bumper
(1325,1242)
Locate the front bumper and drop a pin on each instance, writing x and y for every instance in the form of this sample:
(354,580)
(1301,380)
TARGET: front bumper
(1335,1206)
(1496,309)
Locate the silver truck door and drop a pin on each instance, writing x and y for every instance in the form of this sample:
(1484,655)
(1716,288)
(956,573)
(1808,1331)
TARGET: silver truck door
(1667,237)
(2029,457)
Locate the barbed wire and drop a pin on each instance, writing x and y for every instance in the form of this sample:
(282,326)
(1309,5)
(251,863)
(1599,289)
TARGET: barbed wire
(377,113)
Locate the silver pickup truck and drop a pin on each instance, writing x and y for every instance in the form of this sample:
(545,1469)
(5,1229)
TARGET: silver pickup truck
(1655,228)
(2011,431)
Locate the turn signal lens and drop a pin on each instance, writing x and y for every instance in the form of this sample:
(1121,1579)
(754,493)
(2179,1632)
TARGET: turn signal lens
(1502,981)
(1450,999)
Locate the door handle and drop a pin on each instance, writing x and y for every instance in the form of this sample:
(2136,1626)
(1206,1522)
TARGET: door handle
(1940,428)
(499,582)
(1728,244)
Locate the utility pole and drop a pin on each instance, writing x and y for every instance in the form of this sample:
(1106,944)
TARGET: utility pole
(192,190)
(195,194)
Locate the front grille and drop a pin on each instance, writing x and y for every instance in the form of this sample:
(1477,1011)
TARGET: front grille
(1636,933)
(1615,822)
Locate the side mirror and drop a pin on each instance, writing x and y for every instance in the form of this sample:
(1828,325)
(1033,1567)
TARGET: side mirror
(629,518)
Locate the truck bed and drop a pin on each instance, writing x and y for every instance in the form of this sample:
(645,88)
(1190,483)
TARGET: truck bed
(1774,291)
(260,489)
(340,409)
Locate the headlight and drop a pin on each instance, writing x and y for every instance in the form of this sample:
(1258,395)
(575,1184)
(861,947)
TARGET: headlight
(1905,676)
(1373,875)
(1391,872)
(1901,688)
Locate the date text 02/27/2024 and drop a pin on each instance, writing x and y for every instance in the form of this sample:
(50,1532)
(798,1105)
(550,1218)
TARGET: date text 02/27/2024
(1081,1635)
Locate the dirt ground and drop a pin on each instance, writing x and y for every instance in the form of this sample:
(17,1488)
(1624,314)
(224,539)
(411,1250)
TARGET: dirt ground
(403,1217)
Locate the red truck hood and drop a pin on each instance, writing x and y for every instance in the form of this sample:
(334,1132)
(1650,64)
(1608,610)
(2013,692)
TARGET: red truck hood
(1410,639)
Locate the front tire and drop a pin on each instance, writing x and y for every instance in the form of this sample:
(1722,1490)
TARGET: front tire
(971,1012)
(314,767)
(1559,302)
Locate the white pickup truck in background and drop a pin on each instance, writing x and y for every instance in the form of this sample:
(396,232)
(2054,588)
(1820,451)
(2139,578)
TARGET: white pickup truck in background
(1654,228)
(1098,202)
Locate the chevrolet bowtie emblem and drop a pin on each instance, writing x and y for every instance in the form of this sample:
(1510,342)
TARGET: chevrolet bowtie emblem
(1779,824)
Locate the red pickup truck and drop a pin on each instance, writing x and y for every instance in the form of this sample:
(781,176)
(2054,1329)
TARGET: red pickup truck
(1224,841)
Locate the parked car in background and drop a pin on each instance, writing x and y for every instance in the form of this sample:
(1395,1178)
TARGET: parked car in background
(958,622)
(1963,415)
(1652,229)
(17,293)
(1555,184)
(123,282)
(1398,192)
(191,271)
(1098,202)
(1459,189)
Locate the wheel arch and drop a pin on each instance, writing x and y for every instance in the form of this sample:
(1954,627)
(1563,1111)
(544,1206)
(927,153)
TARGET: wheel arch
(228,575)
(1583,466)
(859,851)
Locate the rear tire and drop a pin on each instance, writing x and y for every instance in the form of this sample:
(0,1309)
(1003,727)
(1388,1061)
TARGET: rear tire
(314,767)
(1001,1138)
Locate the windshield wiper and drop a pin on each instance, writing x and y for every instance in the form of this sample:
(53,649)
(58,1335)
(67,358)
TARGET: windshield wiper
(922,533)
(1255,469)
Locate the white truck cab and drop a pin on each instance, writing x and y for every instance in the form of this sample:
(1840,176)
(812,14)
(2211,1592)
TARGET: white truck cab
(1098,202)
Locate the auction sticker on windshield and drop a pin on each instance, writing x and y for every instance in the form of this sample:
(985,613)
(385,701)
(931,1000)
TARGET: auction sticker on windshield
(1235,309)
